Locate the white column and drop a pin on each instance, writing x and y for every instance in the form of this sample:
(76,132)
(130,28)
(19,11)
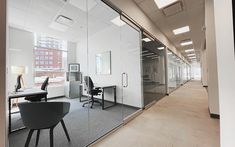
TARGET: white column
(204,69)
(226,70)
(213,95)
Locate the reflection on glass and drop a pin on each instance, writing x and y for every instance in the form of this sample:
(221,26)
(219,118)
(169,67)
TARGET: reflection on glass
(178,71)
(103,63)
(153,66)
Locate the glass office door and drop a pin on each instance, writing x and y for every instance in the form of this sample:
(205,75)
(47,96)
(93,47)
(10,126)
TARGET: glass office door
(104,54)
(153,69)
(131,68)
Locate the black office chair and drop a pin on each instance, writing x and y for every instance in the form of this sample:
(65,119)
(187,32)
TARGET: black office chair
(43,115)
(92,91)
(38,98)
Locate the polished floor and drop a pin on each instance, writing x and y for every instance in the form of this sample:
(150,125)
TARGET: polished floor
(178,120)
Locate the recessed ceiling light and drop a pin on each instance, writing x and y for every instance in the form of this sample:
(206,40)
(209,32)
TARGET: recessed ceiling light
(161,48)
(181,30)
(64,20)
(186,42)
(118,22)
(146,39)
(145,51)
(147,54)
(152,56)
(170,53)
(164,3)
(190,55)
(155,57)
(189,50)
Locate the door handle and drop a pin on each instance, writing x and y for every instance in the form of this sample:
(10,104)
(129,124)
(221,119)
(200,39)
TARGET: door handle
(127,80)
(125,84)
(123,79)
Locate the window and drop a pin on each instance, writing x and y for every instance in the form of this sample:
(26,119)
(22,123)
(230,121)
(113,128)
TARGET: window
(50,56)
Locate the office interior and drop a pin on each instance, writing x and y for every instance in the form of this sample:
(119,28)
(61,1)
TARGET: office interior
(50,38)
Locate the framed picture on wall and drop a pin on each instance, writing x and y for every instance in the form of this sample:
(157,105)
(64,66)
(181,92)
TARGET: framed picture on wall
(74,67)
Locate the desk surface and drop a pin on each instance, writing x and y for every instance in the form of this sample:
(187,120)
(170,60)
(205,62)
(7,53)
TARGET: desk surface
(106,86)
(26,92)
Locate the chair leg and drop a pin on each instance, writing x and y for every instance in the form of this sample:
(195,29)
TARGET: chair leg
(51,137)
(37,139)
(92,101)
(29,138)
(65,130)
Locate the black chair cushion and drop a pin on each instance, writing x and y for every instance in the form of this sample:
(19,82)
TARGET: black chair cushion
(42,115)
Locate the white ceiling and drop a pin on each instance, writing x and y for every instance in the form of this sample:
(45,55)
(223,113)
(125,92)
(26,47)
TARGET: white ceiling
(192,15)
(38,15)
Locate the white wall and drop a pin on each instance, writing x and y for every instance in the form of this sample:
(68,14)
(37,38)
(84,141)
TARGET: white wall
(125,57)
(3,136)
(204,68)
(213,94)
(226,70)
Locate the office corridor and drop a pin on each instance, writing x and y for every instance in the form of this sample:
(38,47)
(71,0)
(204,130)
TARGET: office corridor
(178,120)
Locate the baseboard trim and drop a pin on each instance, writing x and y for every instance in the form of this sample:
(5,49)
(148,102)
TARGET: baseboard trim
(150,105)
(212,115)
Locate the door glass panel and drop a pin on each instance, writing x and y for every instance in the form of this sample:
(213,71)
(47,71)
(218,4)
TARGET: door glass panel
(104,55)
(153,66)
(131,68)
(44,38)
(172,71)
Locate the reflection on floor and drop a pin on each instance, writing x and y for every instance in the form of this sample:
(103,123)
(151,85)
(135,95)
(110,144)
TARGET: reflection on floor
(153,91)
(150,97)
(178,120)
(77,121)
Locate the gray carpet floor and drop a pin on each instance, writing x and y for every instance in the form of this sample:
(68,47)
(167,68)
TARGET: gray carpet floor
(84,125)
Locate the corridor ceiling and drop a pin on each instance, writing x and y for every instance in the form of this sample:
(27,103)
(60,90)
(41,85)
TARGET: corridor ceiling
(192,13)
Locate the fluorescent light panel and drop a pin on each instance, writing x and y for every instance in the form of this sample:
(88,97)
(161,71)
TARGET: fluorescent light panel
(191,55)
(145,51)
(164,3)
(169,53)
(152,56)
(161,48)
(189,50)
(118,22)
(155,57)
(186,42)
(181,30)
(146,39)
(147,54)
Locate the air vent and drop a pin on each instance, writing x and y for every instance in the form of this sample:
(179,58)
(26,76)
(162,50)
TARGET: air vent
(64,20)
(173,8)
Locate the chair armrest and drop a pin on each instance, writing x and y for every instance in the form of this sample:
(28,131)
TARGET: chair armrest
(97,88)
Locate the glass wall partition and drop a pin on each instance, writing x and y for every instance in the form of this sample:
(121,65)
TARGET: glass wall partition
(70,42)
(45,37)
(114,64)
(178,71)
(153,69)
(172,71)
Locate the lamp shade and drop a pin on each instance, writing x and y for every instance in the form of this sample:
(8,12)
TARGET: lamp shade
(18,70)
